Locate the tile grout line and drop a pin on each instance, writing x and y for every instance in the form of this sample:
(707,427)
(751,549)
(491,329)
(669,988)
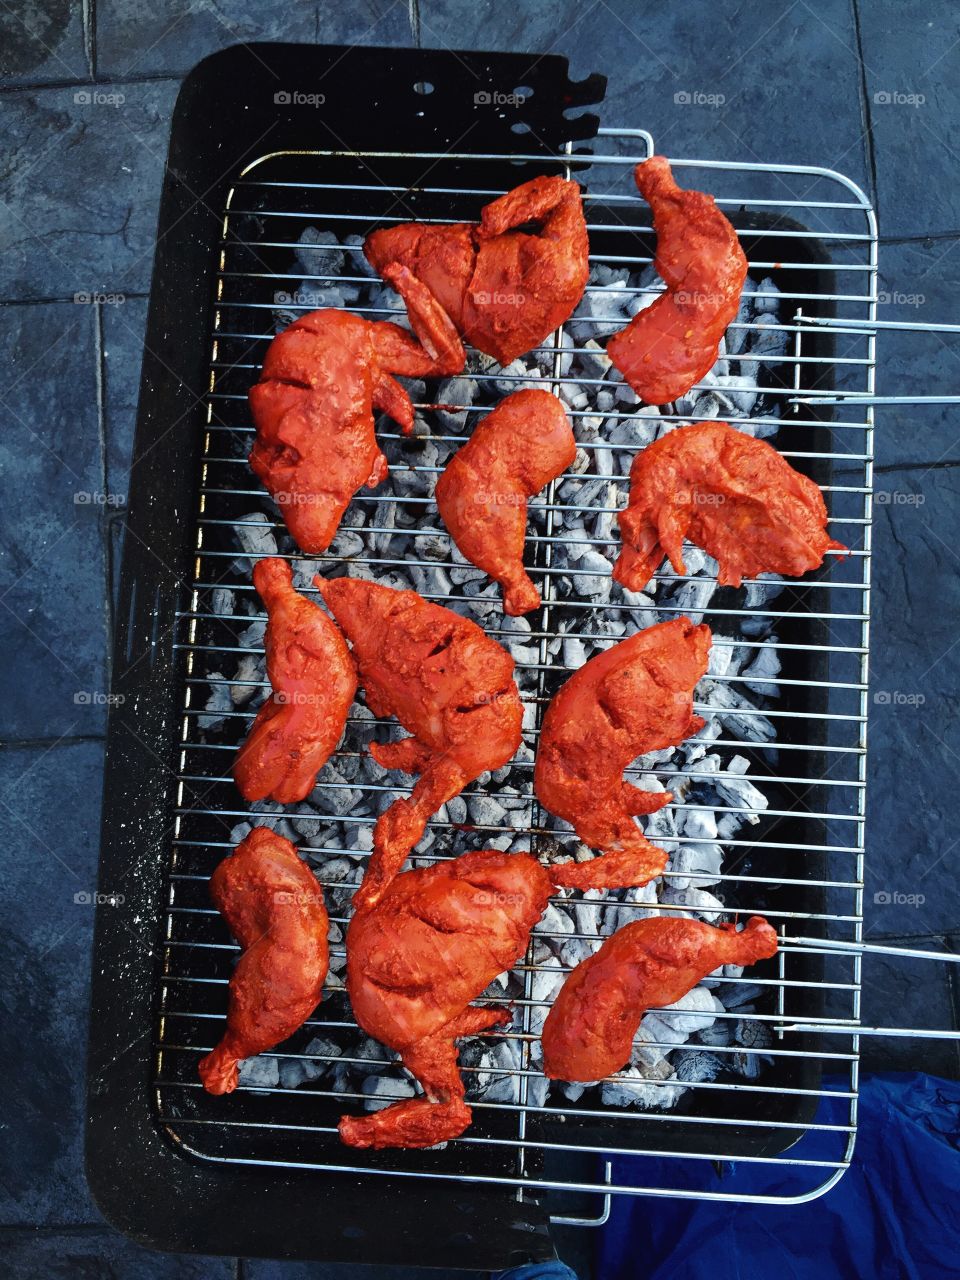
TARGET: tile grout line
(90,35)
(920,237)
(36,744)
(106,526)
(35,86)
(865,114)
(52,300)
(942,464)
(413,15)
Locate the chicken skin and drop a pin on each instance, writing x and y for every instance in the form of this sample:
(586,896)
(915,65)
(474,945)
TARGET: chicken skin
(670,345)
(633,698)
(447,683)
(589,1031)
(505,289)
(313,406)
(732,495)
(482,495)
(275,910)
(436,938)
(314,679)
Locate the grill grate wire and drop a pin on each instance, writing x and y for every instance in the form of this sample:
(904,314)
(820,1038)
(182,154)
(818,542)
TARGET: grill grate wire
(517,1143)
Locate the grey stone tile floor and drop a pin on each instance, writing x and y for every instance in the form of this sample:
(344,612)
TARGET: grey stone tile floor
(87,94)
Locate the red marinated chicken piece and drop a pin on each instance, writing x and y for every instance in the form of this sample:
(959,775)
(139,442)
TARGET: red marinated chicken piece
(505,290)
(314,679)
(730,494)
(435,940)
(631,699)
(670,345)
(313,406)
(482,495)
(589,1031)
(447,683)
(275,910)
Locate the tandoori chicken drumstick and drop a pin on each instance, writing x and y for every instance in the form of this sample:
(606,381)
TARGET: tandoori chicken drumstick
(505,289)
(482,494)
(669,346)
(732,495)
(434,941)
(275,910)
(633,698)
(590,1028)
(314,679)
(447,683)
(313,406)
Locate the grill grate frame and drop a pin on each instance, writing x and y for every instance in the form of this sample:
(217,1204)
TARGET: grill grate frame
(842,839)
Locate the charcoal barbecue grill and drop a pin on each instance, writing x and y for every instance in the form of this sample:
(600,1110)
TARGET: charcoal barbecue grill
(262,1171)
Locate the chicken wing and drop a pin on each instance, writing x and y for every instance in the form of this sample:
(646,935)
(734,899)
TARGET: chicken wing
(730,494)
(670,345)
(589,1031)
(434,941)
(313,406)
(314,679)
(482,494)
(275,910)
(505,289)
(447,683)
(631,699)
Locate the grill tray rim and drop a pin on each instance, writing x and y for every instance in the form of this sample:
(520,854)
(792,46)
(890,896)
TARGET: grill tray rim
(146,617)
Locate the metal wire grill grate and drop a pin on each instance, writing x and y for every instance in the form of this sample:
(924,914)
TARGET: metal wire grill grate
(799,862)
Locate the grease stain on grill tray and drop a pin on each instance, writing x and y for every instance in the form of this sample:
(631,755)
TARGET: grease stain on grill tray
(750,823)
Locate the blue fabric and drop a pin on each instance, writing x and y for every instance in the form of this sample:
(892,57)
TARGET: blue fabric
(894,1215)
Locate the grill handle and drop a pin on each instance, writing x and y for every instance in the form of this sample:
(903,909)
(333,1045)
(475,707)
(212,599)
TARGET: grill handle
(840,1027)
(864,948)
(869,328)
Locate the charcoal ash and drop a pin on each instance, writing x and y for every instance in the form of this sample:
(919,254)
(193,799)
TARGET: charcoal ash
(262,1072)
(218,703)
(256,538)
(312,1065)
(380,1091)
(610,425)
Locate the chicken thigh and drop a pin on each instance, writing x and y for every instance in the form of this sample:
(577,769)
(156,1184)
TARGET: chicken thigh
(275,910)
(447,683)
(436,938)
(590,1028)
(669,346)
(732,495)
(633,698)
(505,289)
(482,494)
(313,406)
(314,679)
